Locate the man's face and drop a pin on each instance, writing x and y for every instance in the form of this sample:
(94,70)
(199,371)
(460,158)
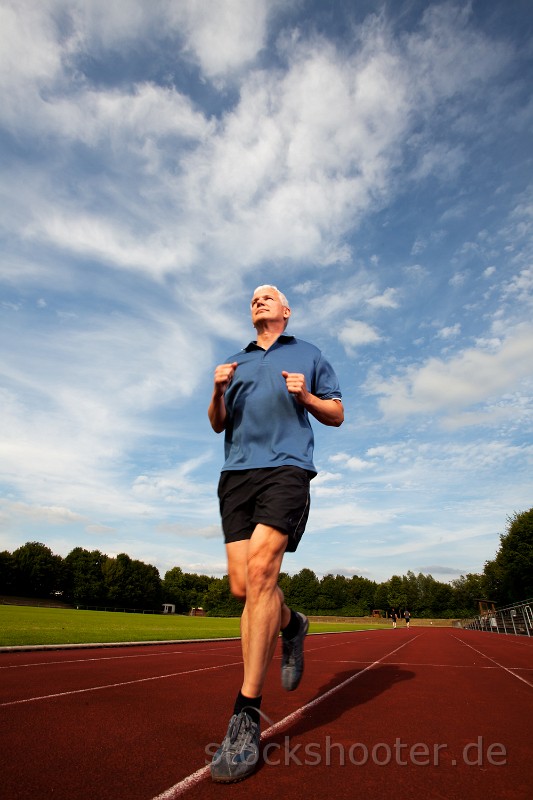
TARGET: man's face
(266,305)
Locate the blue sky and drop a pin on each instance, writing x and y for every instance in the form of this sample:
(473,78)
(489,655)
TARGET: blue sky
(159,161)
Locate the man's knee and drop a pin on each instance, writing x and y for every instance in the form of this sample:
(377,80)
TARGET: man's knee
(262,572)
(238,588)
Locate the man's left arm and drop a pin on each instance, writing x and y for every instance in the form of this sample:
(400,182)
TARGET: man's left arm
(328,412)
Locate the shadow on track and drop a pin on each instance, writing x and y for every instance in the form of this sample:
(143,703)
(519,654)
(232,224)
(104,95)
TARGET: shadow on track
(360,690)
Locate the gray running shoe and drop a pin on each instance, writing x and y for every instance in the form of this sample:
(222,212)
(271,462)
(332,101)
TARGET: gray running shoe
(237,756)
(292,660)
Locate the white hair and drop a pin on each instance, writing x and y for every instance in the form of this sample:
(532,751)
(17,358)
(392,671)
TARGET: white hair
(282,298)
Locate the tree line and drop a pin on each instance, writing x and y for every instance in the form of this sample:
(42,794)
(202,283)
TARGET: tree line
(91,578)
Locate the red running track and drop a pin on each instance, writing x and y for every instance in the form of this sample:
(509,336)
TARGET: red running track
(436,713)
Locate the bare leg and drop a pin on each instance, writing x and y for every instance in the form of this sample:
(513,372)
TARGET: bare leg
(254,568)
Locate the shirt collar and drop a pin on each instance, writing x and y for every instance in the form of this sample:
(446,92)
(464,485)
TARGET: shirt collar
(283,338)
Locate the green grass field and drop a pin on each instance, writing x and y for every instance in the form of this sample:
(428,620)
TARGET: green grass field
(30,625)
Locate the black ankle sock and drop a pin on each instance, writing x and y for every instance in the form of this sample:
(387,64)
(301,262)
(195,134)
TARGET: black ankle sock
(249,704)
(293,627)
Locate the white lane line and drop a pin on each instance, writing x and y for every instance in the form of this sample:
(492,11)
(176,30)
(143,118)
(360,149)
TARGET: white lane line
(187,651)
(510,671)
(422,664)
(187,783)
(215,650)
(116,685)
(180,788)
(137,680)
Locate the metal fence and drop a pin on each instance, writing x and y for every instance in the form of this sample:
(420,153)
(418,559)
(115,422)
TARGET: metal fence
(517,619)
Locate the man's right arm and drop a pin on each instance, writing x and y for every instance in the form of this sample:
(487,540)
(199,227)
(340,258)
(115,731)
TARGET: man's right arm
(217,407)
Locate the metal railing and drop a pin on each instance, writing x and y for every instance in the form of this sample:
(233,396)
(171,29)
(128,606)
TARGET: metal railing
(516,619)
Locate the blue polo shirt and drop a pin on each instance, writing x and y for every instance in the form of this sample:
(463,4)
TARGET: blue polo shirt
(265,425)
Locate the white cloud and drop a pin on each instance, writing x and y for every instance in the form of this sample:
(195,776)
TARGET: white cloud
(100,530)
(356,333)
(340,514)
(306,151)
(244,25)
(181,487)
(473,376)
(520,286)
(48,514)
(437,569)
(220,37)
(416,272)
(385,300)
(443,159)
(135,120)
(21,22)
(78,402)
(418,247)
(182,530)
(458,279)
(451,54)
(450,331)
(449,459)
(286,172)
(111,242)
(348,572)
(350,462)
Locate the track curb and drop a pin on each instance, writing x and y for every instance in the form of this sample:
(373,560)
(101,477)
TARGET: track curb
(25,648)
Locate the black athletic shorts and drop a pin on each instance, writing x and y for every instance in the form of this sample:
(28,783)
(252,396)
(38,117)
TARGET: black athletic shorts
(275,496)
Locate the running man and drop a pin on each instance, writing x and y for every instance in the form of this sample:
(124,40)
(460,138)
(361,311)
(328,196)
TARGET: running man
(262,399)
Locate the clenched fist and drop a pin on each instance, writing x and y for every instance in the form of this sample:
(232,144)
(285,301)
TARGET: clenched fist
(223,375)
(296,385)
